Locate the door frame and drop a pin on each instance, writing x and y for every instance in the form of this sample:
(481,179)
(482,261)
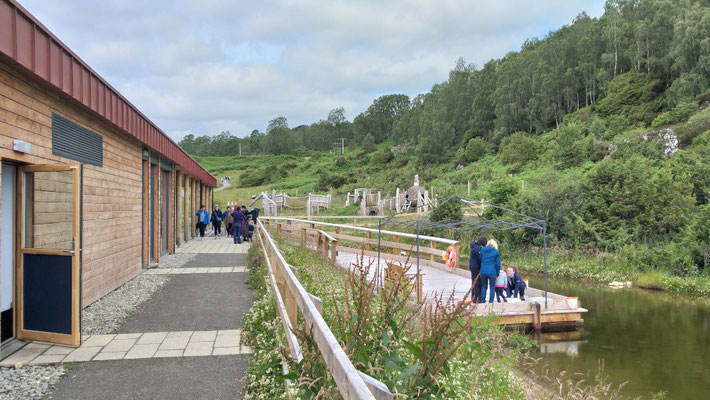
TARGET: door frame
(74,338)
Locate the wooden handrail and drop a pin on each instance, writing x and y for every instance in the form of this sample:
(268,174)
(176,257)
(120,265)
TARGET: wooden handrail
(348,379)
(359,228)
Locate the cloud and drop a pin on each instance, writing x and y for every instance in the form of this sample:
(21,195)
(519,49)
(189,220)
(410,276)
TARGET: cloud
(208,66)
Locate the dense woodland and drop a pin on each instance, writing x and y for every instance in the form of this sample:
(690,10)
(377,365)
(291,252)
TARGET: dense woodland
(588,117)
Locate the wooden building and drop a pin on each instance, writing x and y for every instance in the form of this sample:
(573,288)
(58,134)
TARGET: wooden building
(92,191)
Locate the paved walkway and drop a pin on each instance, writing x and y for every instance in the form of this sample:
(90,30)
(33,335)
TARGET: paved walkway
(182,344)
(211,245)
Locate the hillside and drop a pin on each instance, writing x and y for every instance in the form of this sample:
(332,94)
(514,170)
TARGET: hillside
(601,128)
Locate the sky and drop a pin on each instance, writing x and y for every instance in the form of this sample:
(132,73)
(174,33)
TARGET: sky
(207,66)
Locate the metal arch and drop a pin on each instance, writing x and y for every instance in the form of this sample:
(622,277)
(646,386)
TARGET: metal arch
(422,223)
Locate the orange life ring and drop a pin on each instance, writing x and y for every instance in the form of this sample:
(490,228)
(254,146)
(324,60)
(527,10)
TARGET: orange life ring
(451,257)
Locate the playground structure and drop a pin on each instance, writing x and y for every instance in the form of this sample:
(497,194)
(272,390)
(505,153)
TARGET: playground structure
(273,202)
(415,199)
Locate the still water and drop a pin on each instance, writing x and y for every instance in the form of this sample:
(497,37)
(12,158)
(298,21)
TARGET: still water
(653,341)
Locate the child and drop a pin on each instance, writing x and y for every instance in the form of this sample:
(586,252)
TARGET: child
(515,283)
(501,283)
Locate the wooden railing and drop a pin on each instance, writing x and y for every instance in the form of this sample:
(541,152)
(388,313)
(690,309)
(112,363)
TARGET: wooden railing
(291,297)
(389,242)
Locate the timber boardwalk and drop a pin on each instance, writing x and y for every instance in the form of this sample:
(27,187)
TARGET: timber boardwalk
(561,313)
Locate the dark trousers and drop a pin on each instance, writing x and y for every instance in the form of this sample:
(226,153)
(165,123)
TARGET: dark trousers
(499,294)
(476,292)
(217,228)
(489,287)
(228,228)
(521,291)
(237,233)
(202,227)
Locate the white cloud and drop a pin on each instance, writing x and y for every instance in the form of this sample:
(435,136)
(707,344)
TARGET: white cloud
(213,65)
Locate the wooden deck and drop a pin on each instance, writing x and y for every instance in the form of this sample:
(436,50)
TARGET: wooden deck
(561,314)
(556,313)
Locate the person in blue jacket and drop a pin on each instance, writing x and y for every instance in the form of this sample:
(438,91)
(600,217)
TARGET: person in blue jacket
(516,284)
(237,225)
(474,265)
(203,219)
(490,265)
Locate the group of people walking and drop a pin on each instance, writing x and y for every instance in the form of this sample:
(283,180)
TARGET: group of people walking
(488,277)
(238,222)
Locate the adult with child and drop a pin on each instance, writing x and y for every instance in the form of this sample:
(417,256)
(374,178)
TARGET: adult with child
(217,221)
(490,265)
(239,218)
(516,284)
(203,219)
(474,265)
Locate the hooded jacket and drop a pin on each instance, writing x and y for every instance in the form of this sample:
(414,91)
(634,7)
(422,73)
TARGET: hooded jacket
(474,261)
(490,261)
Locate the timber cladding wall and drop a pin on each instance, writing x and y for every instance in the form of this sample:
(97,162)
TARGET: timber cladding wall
(112,202)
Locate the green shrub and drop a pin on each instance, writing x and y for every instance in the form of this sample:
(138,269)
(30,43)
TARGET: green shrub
(697,124)
(630,100)
(519,149)
(329,180)
(254,177)
(679,113)
(383,156)
(476,149)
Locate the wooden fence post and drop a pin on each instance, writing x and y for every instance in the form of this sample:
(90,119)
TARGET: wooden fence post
(433,246)
(334,250)
(396,240)
(369,246)
(303,237)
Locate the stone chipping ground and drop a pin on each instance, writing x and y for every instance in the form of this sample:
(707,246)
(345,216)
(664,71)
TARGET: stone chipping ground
(106,315)
(29,382)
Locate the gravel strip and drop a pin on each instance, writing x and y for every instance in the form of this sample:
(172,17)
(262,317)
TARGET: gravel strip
(28,382)
(177,260)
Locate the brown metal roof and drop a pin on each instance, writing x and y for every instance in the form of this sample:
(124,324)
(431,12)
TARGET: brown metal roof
(30,44)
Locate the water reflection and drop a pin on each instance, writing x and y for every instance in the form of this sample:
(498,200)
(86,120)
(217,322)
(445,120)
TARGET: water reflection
(654,341)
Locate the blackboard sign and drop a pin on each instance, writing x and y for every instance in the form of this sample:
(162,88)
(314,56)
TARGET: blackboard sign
(47,293)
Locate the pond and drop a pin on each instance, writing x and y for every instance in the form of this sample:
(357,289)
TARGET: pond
(654,341)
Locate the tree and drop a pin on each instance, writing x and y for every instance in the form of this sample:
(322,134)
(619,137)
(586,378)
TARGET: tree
(277,123)
(368,143)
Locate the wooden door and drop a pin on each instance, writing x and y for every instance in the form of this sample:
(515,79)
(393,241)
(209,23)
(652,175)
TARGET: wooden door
(49,242)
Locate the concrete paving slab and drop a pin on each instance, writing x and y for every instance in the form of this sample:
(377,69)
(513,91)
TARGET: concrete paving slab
(198,349)
(152,338)
(221,351)
(119,345)
(48,359)
(23,356)
(178,343)
(168,353)
(168,378)
(64,350)
(142,351)
(98,340)
(203,336)
(82,354)
(109,356)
